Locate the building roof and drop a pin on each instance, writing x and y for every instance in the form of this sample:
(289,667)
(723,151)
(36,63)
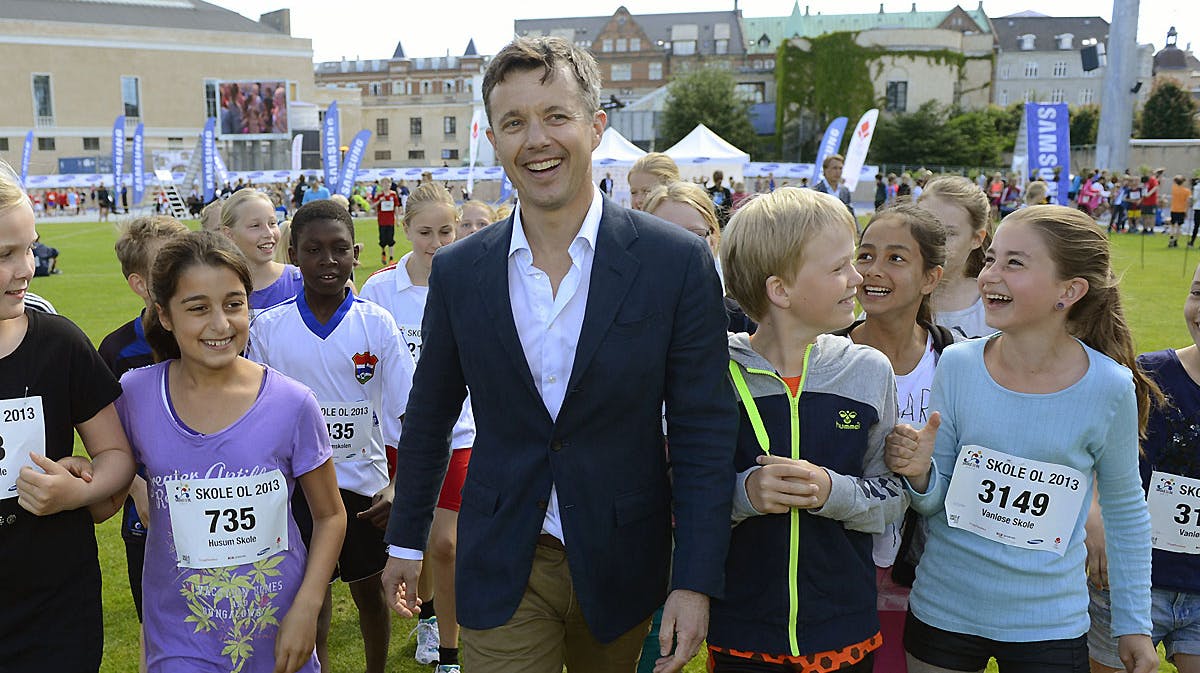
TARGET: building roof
(656,26)
(1045,29)
(179,14)
(399,53)
(471,50)
(778,29)
(1174,58)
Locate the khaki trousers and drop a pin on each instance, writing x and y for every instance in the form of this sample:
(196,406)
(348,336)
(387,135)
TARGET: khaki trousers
(548,631)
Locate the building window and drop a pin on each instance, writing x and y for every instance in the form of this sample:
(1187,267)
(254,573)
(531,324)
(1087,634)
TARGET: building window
(426,86)
(635,44)
(1002,98)
(1065,40)
(606,45)
(1060,68)
(622,44)
(381,126)
(1029,96)
(46,144)
(722,46)
(755,92)
(621,72)
(1056,96)
(897,96)
(131,97)
(655,71)
(1031,70)
(414,126)
(1085,96)
(375,89)
(449,126)
(683,47)
(383,155)
(769,63)
(416,155)
(43,101)
(91,144)
(210,99)
(1027,42)
(1005,71)
(450,155)
(3,144)
(174,143)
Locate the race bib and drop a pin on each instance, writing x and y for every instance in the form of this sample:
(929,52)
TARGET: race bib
(1174,513)
(229,521)
(1015,501)
(349,425)
(412,337)
(387,205)
(22,429)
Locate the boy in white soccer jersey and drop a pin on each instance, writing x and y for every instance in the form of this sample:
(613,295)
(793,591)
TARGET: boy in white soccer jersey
(351,354)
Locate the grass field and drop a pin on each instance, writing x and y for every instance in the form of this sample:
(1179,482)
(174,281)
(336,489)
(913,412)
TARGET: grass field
(92,293)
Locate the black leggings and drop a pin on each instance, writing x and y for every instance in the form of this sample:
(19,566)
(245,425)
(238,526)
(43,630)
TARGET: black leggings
(1195,225)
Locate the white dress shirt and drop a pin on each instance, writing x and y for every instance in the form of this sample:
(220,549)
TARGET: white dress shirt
(548,324)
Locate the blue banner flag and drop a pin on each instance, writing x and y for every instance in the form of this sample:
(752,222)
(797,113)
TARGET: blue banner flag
(222,173)
(830,143)
(25,154)
(331,134)
(358,147)
(139,163)
(118,154)
(1049,133)
(208,151)
(506,187)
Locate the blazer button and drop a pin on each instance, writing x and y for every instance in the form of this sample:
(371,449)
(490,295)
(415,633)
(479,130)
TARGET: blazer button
(556,445)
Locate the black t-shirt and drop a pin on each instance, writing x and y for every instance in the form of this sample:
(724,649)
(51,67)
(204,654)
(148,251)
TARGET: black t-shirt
(50,613)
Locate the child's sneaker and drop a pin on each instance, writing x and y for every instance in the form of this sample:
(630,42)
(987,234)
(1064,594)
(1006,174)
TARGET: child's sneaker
(427,641)
(447,668)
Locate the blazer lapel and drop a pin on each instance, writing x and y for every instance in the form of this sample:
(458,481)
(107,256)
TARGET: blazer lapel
(491,273)
(613,271)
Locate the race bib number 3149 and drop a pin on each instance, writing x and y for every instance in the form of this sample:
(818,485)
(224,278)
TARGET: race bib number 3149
(1015,501)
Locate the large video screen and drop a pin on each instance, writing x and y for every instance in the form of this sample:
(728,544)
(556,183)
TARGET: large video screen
(253,108)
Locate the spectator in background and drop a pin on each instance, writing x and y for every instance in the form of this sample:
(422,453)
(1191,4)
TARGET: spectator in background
(721,197)
(45,259)
(739,196)
(831,180)
(317,192)
(648,172)
(1180,197)
(1149,203)
(881,191)
(606,185)
(1195,211)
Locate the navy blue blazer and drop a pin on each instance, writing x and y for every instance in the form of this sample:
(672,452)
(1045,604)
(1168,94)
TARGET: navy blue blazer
(653,332)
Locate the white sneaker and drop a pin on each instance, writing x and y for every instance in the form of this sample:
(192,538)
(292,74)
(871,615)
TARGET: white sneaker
(427,641)
(447,668)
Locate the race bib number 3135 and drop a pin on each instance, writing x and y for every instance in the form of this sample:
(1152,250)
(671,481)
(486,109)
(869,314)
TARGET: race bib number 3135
(1015,501)
(228,521)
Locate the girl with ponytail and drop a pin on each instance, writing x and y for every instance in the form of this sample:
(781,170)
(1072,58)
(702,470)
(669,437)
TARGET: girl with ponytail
(1025,421)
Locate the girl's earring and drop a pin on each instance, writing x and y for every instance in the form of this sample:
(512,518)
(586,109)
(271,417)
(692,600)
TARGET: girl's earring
(1059,306)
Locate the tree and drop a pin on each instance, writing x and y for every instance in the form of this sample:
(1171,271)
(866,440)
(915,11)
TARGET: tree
(920,137)
(817,80)
(1170,112)
(707,96)
(1085,119)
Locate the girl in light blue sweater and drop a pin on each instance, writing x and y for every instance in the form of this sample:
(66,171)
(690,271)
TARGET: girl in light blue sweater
(1026,417)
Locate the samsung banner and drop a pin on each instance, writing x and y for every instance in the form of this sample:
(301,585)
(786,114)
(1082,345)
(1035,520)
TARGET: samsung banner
(830,143)
(222,173)
(330,145)
(354,156)
(1049,133)
(25,154)
(118,150)
(208,151)
(860,142)
(139,163)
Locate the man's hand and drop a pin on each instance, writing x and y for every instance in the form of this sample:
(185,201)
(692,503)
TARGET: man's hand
(400,586)
(909,452)
(55,491)
(1138,653)
(684,626)
(1097,556)
(381,507)
(783,484)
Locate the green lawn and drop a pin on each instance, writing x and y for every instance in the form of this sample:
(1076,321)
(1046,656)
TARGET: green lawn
(92,292)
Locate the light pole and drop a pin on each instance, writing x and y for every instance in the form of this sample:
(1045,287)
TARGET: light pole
(1117,97)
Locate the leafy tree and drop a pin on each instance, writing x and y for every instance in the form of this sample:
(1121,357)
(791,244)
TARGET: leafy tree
(976,137)
(707,96)
(919,137)
(1170,112)
(1085,120)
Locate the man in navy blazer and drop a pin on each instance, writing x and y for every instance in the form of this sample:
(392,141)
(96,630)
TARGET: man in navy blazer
(573,323)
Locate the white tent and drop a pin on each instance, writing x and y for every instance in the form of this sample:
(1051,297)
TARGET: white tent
(701,152)
(613,157)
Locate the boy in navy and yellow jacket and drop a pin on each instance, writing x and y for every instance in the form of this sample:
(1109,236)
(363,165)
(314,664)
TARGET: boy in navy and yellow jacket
(812,485)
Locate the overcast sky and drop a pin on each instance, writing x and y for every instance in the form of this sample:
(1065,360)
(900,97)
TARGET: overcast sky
(370,28)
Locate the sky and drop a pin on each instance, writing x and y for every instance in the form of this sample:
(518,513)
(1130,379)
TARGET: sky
(361,29)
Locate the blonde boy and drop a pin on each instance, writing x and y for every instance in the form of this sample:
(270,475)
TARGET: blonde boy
(815,412)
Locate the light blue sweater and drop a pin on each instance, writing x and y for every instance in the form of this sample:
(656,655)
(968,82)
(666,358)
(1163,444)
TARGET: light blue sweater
(968,584)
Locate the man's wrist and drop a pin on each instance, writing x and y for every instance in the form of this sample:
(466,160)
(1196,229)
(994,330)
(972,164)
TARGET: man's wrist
(405,553)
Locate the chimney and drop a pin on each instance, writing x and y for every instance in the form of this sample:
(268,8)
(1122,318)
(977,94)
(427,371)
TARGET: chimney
(914,9)
(280,20)
(806,10)
(881,8)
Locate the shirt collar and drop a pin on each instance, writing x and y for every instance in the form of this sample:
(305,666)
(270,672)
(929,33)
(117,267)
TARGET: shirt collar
(587,231)
(403,281)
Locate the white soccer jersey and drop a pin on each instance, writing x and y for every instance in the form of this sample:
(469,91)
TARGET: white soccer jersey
(358,367)
(391,288)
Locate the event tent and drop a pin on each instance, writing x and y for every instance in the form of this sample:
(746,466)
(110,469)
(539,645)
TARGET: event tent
(701,152)
(613,157)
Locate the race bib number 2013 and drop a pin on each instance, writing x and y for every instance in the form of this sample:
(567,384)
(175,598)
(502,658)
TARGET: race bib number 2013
(1015,501)
(22,431)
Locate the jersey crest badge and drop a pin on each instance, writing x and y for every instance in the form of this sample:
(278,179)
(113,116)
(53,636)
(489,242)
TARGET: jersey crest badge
(364,366)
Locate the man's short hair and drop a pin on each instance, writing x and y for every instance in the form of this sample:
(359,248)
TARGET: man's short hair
(138,235)
(767,237)
(549,54)
(831,158)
